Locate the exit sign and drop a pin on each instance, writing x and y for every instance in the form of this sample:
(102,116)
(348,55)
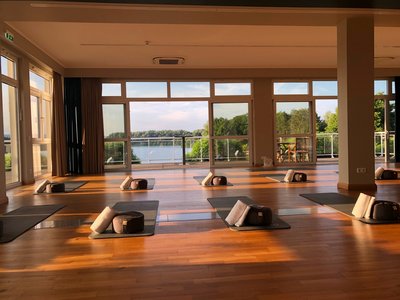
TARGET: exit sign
(9,36)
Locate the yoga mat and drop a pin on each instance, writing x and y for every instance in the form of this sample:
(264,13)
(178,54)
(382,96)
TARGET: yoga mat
(148,208)
(199,179)
(276,177)
(343,204)
(70,186)
(280,177)
(150,184)
(18,221)
(279,169)
(223,206)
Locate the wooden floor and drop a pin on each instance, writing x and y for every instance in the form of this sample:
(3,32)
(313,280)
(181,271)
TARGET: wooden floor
(325,255)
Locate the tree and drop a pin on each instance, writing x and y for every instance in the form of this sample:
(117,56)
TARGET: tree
(300,121)
(379,115)
(282,120)
(331,120)
(320,124)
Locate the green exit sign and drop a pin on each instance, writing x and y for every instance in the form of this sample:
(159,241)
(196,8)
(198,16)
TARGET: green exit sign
(9,36)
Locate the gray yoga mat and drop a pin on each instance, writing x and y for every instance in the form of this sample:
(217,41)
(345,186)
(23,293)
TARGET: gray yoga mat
(150,184)
(343,204)
(70,186)
(148,208)
(223,206)
(280,177)
(18,221)
(199,179)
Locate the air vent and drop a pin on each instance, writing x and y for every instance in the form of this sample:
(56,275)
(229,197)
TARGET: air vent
(168,60)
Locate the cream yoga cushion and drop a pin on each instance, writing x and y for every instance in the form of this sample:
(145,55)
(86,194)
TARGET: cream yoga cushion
(103,220)
(289,176)
(126,184)
(378,172)
(42,186)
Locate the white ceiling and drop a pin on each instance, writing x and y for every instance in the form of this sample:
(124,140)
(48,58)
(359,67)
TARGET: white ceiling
(95,42)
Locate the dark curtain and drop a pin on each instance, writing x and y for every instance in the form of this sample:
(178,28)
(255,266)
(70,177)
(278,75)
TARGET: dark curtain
(73,121)
(397,108)
(58,137)
(92,127)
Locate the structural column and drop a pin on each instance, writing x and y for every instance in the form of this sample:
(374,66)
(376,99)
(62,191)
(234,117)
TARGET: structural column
(263,117)
(355,65)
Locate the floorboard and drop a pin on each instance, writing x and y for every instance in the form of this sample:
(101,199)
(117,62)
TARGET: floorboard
(325,255)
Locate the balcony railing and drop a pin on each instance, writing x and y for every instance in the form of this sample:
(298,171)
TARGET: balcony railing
(328,144)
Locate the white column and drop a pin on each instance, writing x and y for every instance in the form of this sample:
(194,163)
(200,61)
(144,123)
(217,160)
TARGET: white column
(3,196)
(355,66)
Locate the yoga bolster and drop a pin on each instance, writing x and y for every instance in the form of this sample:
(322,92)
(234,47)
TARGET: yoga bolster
(299,177)
(128,222)
(57,187)
(389,174)
(385,210)
(139,184)
(103,220)
(259,216)
(219,180)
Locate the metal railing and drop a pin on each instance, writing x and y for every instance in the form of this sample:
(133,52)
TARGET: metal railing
(175,150)
(149,150)
(328,144)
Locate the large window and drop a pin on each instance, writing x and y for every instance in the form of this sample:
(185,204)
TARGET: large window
(230,132)
(384,119)
(294,139)
(115,145)
(41,113)
(10,117)
(177,122)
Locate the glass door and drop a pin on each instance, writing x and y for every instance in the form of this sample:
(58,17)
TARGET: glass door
(116,154)
(294,134)
(230,133)
(10,124)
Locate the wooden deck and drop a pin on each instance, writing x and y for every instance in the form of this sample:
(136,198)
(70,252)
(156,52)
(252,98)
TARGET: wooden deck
(325,255)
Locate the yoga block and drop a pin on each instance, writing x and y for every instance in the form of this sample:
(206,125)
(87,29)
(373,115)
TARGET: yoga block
(139,184)
(128,222)
(259,216)
(219,180)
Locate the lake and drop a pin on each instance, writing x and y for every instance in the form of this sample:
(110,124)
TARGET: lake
(159,154)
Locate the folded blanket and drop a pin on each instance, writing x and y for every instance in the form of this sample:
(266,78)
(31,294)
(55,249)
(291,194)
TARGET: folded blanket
(126,184)
(42,186)
(238,214)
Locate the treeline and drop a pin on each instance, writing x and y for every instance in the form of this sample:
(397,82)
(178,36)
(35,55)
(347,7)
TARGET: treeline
(166,133)
(158,133)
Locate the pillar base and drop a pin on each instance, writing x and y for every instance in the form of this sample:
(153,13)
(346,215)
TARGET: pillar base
(4,200)
(356,187)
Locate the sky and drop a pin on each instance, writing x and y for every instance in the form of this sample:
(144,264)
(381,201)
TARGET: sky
(173,115)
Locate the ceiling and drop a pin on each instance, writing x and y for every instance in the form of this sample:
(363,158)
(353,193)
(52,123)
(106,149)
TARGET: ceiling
(130,36)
